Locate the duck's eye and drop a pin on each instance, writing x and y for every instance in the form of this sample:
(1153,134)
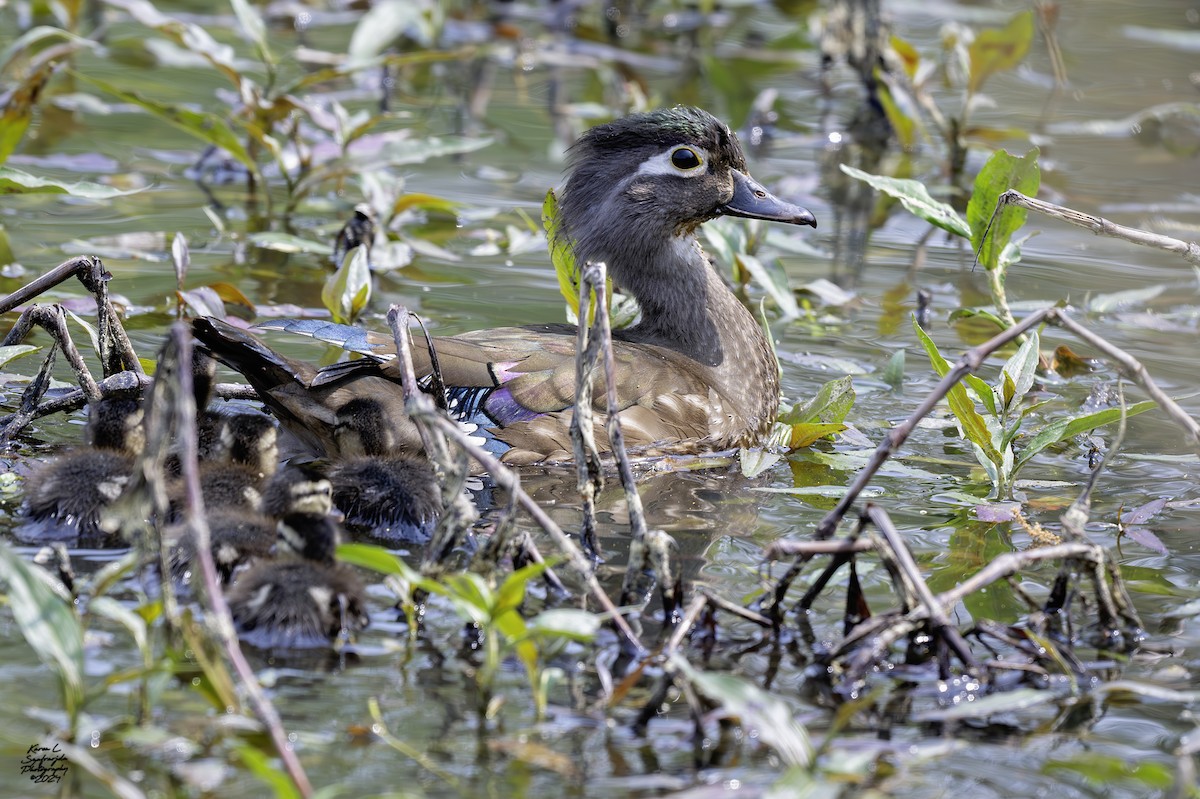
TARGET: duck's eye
(685,158)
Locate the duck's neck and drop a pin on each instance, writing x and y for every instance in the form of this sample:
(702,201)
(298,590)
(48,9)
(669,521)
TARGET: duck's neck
(686,307)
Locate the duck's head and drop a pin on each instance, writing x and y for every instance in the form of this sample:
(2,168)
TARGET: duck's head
(251,440)
(361,429)
(639,182)
(299,488)
(311,536)
(116,423)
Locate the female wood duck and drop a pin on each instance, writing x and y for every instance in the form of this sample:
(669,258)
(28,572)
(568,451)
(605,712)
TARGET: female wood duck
(394,495)
(65,497)
(696,373)
(302,599)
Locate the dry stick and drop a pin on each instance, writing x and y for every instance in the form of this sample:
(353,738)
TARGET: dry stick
(1133,369)
(49,280)
(124,383)
(116,350)
(736,610)
(938,613)
(1188,250)
(197,524)
(971,360)
(589,472)
(787,549)
(30,398)
(419,405)
(53,319)
(595,275)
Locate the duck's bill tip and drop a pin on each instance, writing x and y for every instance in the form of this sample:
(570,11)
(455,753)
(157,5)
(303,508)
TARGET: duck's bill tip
(752,201)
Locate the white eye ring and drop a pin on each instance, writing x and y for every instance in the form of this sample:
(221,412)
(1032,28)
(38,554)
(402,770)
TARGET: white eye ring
(664,163)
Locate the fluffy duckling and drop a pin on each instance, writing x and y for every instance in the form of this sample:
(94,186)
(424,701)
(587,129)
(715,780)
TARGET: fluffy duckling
(245,452)
(302,599)
(393,494)
(297,488)
(64,497)
(240,537)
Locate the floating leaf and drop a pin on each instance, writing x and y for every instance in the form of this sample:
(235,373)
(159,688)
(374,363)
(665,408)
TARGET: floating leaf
(1145,513)
(1006,702)
(998,49)
(13,351)
(348,290)
(915,197)
(992,230)
(807,434)
(830,404)
(14,181)
(203,301)
(757,710)
(1067,363)
(232,295)
(286,242)
(1147,539)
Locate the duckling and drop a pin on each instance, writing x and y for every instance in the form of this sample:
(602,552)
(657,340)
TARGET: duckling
(64,497)
(302,599)
(245,450)
(394,494)
(297,488)
(240,537)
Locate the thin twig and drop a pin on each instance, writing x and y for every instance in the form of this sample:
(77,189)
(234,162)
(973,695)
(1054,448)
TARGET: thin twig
(1132,368)
(1188,250)
(218,615)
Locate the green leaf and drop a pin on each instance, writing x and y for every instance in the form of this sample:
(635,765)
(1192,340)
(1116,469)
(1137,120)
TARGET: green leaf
(512,590)
(561,253)
(254,28)
(47,622)
(915,197)
(262,765)
(378,559)
(830,404)
(13,351)
(756,710)
(974,426)
(209,128)
(286,242)
(773,280)
(1020,371)
(807,434)
(571,623)
(133,623)
(385,22)
(998,49)
(14,181)
(893,371)
(1068,428)
(348,290)
(1003,171)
